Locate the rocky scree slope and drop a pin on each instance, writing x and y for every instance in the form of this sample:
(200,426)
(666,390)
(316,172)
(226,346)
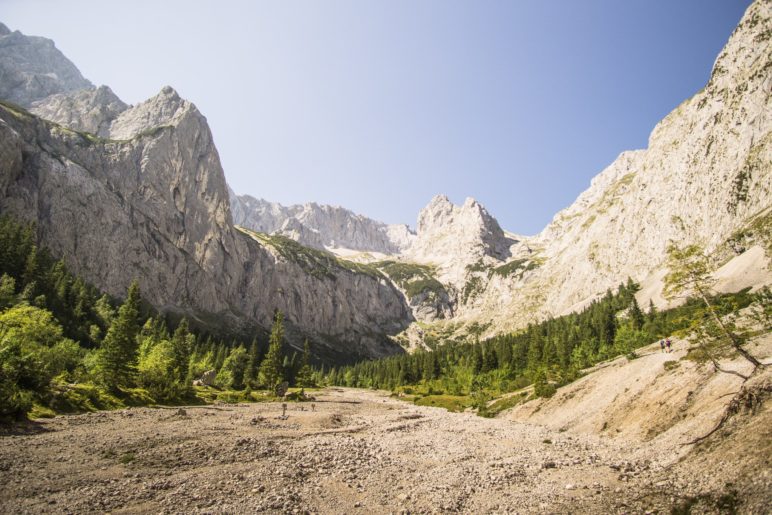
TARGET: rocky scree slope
(149,200)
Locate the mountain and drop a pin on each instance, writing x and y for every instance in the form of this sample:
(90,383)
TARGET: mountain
(704,178)
(148,199)
(32,68)
(122,191)
(320,226)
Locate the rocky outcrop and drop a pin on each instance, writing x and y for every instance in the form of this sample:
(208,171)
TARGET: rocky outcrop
(320,226)
(85,110)
(32,68)
(451,234)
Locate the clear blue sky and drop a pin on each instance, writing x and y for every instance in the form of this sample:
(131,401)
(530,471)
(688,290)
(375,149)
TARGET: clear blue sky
(378,106)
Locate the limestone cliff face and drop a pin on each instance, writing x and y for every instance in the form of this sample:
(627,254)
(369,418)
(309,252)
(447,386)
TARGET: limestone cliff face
(449,233)
(706,173)
(32,68)
(86,110)
(321,226)
(152,203)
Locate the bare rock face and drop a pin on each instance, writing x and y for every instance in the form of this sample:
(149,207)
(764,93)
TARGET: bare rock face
(32,68)
(320,226)
(154,205)
(452,234)
(705,175)
(85,110)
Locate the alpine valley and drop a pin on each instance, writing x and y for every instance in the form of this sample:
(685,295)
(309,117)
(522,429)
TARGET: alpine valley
(122,192)
(170,346)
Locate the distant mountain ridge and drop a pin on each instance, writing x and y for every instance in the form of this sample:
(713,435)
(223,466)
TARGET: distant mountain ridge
(320,226)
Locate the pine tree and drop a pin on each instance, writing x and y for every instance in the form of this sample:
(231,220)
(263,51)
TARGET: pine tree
(271,370)
(116,359)
(636,315)
(652,314)
(254,362)
(305,377)
(181,349)
(690,274)
(7,291)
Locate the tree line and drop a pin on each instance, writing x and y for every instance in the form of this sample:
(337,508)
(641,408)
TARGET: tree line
(546,354)
(57,332)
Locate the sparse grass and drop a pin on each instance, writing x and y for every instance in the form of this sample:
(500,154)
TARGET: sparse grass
(587,223)
(413,278)
(518,268)
(318,263)
(453,403)
(127,457)
(671,365)
(505,403)
(40,411)
(472,288)
(16,110)
(152,131)
(758,230)
(210,395)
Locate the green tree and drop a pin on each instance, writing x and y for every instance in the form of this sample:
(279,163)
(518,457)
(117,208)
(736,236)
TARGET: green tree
(234,368)
(254,362)
(7,291)
(116,359)
(690,274)
(636,315)
(271,370)
(305,376)
(181,349)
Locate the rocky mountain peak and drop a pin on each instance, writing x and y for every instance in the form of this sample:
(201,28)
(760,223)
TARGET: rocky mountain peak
(85,110)
(32,68)
(164,109)
(458,234)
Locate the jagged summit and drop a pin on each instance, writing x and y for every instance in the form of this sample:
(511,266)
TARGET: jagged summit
(164,109)
(450,234)
(32,68)
(321,226)
(86,110)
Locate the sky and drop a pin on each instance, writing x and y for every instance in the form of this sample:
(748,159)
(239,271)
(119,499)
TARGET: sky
(379,106)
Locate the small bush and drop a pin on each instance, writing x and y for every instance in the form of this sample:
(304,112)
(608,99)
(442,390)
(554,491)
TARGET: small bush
(671,365)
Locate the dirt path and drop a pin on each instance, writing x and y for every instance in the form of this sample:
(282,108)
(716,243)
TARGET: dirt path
(359,450)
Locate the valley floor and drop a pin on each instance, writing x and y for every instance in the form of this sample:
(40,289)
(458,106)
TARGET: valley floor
(357,451)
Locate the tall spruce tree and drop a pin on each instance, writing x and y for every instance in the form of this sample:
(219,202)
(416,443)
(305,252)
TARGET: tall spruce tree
(271,369)
(254,363)
(636,315)
(116,359)
(305,376)
(181,349)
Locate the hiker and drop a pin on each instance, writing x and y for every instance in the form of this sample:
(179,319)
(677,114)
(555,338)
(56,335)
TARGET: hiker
(668,344)
(662,345)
